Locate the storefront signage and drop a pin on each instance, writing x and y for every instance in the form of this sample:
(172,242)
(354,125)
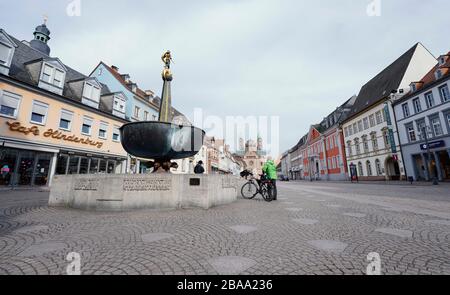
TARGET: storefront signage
(17,127)
(432,145)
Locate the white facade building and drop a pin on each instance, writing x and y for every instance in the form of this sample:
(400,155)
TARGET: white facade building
(423,116)
(370,132)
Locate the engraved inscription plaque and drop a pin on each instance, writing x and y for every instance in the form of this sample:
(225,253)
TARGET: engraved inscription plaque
(146,184)
(88,184)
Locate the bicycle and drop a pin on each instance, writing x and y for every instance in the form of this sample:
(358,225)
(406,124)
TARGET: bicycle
(253,187)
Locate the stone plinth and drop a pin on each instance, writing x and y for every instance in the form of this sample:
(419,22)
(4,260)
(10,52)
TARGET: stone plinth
(122,192)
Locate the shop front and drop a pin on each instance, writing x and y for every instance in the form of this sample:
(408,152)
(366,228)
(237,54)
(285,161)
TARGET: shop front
(24,167)
(429,162)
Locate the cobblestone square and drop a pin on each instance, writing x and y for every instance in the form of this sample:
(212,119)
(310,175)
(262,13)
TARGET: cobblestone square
(407,225)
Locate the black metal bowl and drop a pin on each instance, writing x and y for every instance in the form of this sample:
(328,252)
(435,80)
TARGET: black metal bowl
(161,141)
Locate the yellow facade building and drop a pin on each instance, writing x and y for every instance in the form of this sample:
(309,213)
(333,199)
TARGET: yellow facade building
(51,119)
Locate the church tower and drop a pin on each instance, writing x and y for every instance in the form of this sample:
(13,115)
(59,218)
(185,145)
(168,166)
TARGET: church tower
(41,38)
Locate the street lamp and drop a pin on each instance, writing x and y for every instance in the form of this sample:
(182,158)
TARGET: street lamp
(425,135)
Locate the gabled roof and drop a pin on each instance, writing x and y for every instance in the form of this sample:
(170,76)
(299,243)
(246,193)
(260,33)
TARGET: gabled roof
(429,80)
(8,38)
(25,54)
(119,77)
(381,85)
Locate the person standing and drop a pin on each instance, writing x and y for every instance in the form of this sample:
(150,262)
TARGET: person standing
(199,168)
(270,170)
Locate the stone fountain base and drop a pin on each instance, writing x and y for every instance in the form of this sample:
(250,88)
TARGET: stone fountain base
(123,192)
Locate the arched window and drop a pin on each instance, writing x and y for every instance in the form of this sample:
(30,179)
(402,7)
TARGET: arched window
(378,167)
(369,168)
(360,169)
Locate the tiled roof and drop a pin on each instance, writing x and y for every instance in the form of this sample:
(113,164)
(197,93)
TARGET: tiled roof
(24,54)
(382,84)
(139,92)
(428,80)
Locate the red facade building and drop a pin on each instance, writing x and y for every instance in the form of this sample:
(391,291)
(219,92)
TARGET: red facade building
(320,155)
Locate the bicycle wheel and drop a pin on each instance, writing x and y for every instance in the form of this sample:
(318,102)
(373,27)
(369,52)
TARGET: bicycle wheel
(266,194)
(249,190)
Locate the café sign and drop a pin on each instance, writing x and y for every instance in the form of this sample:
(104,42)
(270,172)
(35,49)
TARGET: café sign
(51,133)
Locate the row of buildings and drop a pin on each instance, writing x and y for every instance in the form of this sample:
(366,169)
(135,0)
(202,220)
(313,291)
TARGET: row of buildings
(56,120)
(397,127)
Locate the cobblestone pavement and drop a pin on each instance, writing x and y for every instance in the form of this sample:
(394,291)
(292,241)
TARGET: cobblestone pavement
(314,228)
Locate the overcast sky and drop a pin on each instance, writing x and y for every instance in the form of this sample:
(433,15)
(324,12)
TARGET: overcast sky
(294,59)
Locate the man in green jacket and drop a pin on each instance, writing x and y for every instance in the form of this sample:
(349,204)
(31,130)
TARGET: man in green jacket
(271,172)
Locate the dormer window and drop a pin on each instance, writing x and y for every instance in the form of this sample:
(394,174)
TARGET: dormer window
(91,94)
(53,75)
(443,59)
(438,74)
(7,47)
(413,87)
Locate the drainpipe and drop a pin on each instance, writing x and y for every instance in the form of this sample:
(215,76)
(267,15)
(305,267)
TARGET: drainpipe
(389,100)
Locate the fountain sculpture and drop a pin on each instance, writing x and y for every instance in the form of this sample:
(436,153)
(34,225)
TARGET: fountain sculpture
(162,140)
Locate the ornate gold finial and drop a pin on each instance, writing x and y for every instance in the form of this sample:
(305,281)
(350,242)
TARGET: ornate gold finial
(167,59)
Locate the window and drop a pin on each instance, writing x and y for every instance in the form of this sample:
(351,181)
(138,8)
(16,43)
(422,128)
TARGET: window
(39,113)
(52,75)
(373,137)
(386,138)
(65,122)
(405,110)
(103,130)
(349,148)
(379,117)
(91,92)
(365,144)
(366,123)
(86,128)
(369,168)
(9,104)
(136,112)
(436,126)
(145,116)
(355,128)
(93,169)
(417,105)
(360,169)
(5,53)
(372,120)
(116,134)
(448,122)
(411,132)
(350,130)
(378,167)
(358,148)
(154,118)
(360,126)
(329,163)
(334,162)
(61,164)
(429,99)
(445,93)
(421,127)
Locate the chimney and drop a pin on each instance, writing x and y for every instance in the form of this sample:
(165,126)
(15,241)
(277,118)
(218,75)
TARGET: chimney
(149,93)
(115,68)
(125,77)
